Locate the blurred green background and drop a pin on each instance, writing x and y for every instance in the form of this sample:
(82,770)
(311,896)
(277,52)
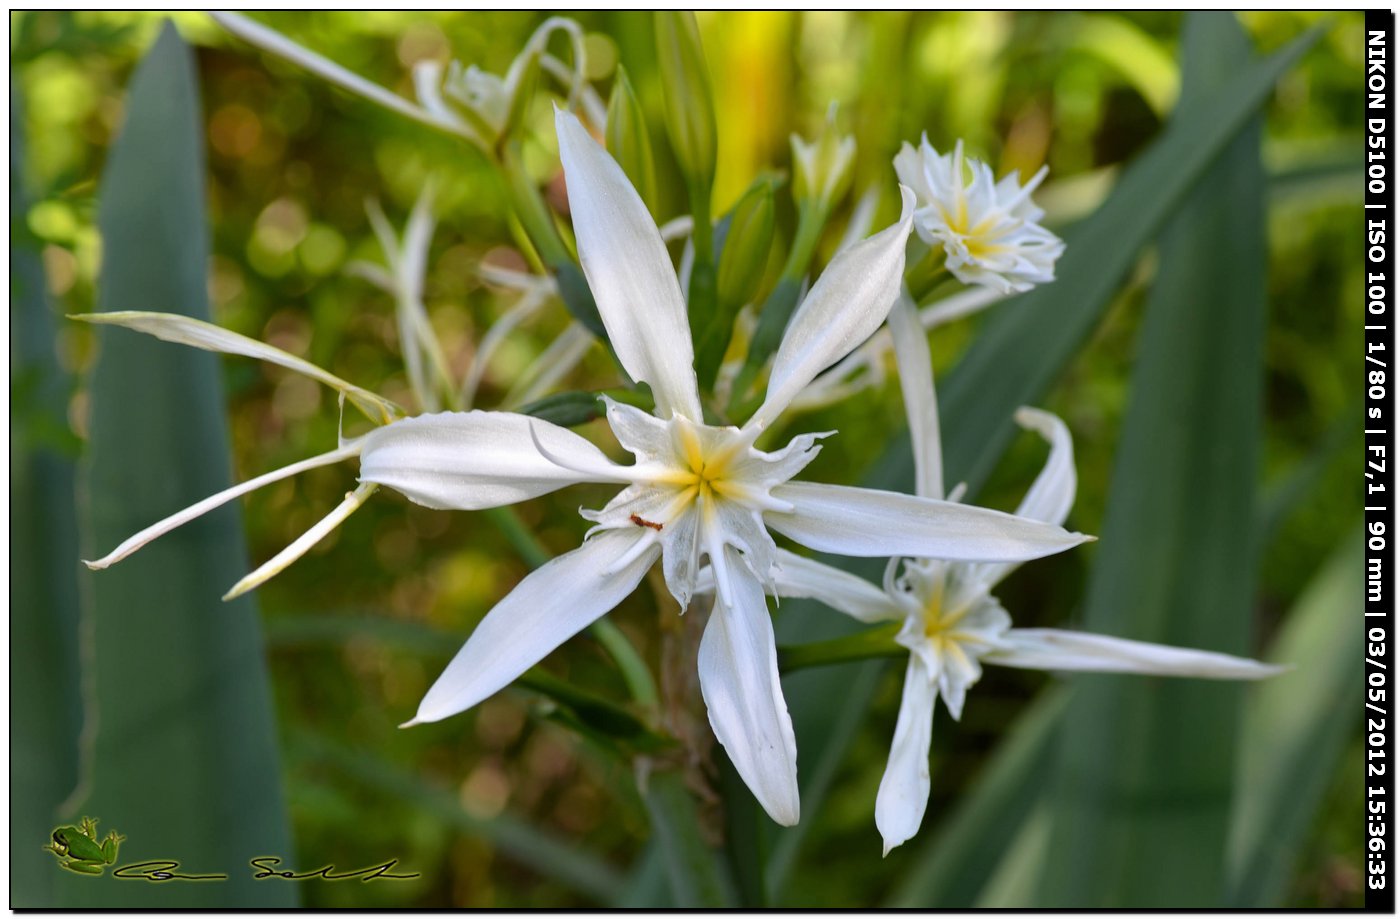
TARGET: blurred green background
(489,807)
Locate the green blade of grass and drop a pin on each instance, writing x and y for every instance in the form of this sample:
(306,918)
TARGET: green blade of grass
(183,759)
(1146,766)
(1292,735)
(45,709)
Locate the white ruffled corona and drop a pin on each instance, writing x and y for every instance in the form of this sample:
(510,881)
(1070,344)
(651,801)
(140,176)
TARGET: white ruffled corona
(696,491)
(987,229)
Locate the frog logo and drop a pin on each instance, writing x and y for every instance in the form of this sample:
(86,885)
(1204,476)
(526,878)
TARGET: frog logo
(78,850)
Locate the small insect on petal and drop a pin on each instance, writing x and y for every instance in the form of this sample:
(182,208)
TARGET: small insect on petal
(639,521)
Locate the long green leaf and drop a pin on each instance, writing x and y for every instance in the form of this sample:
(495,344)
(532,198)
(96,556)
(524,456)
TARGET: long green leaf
(45,709)
(1292,736)
(183,761)
(1146,766)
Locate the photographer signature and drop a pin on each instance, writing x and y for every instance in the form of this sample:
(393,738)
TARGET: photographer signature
(265,866)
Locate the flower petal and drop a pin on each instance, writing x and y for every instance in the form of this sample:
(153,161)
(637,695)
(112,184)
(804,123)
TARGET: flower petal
(739,681)
(920,399)
(201,508)
(1058,649)
(847,304)
(1052,494)
(204,335)
(303,543)
(797,576)
(868,522)
(903,795)
(629,272)
(552,604)
(472,460)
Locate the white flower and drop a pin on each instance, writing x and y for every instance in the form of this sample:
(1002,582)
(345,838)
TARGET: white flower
(696,490)
(987,229)
(951,622)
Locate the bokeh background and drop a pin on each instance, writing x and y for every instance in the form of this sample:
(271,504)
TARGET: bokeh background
(506,806)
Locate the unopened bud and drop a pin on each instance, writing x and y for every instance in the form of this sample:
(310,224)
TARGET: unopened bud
(690,106)
(746,246)
(628,140)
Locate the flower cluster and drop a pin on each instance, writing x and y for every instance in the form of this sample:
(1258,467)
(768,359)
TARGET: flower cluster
(701,497)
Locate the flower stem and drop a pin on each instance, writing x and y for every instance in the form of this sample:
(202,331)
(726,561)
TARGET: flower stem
(876,642)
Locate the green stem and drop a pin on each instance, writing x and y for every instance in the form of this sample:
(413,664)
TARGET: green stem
(922,277)
(876,642)
(634,670)
(530,208)
(700,298)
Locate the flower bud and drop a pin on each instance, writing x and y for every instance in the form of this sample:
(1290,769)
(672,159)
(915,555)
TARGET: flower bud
(628,141)
(822,169)
(690,106)
(746,246)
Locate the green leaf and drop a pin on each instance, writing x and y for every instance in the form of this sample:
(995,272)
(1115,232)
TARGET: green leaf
(954,868)
(550,856)
(1145,825)
(183,759)
(1292,737)
(698,879)
(1040,332)
(45,706)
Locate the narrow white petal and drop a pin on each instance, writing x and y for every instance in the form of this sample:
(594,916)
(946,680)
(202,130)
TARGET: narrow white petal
(551,605)
(903,795)
(1058,649)
(1052,494)
(276,43)
(303,543)
(797,576)
(629,272)
(204,335)
(208,504)
(911,354)
(472,460)
(739,681)
(847,304)
(868,522)
(962,303)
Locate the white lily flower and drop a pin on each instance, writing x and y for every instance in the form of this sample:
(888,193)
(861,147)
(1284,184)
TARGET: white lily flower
(986,228)
(951,622)
(695,490)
